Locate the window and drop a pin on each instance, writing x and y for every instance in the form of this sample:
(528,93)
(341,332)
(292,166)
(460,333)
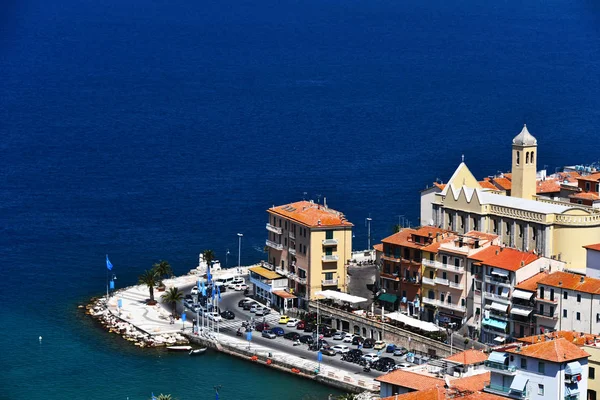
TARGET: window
(591,373)
(531,158)
(578,316)
(541,292)
(462,302)
(565,313)
(551,311)
(285,241)
(518,158)
(523,363)
(541,309)
(456,262)
(566,295)
(495,225)
(444,259)
(579,298)
(541,369)
(449,299)
(455,278)
(328,252)
(442,297)
(328,276)
(551,294)
(404,293)
(540,389)
(430,274)
(587,186)
(328,234)
(431,295)
(444,275)
(527,158)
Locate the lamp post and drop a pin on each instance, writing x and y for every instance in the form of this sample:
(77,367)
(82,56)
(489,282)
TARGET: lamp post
(368,222)
(240,235)
(227,259)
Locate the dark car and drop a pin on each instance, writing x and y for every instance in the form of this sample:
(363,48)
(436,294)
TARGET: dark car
(300,325)
(309,327)
(369,343)
(189,297)
(242,301)
(262,326)
(292,336)
(326,331)
(353,356)
(390,348)
(228,314)
(223,288)
(278,331)
(306,339)
(356,340)
(248,305)
(384,364)
(328,351)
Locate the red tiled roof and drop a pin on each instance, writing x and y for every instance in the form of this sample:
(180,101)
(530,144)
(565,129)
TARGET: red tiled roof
(441,393)
(548,186)
(558,351)
(593,247)
(482,235)
(440,185)
(404,237)
(410,380)
(576,338)
(486,184)
(504,258)
(468,357)
(593,177)
(530,284)
(473,382)
(504,183)
(585,196)
(378,247)
(575,282)
(311,214)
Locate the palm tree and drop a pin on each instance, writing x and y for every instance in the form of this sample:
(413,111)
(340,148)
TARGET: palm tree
(164,397)
(209,257)
(163,269)
(173,296)
(150,279)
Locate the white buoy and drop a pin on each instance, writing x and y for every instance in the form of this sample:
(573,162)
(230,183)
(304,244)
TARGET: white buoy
(40,338)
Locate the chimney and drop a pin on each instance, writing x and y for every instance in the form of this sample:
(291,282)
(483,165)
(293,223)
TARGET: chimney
(522,263)
(497,251)
(582,279)
(319,222)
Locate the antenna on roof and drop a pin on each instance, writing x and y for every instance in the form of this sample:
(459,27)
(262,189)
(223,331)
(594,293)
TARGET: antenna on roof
(304,196)
(462,158)
(318,199)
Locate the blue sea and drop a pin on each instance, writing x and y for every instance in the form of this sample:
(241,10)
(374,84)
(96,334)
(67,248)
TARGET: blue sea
(156,129)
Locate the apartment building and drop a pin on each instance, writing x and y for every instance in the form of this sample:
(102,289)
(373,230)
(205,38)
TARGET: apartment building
(310,244)
(568,301)
(592,260)
(552,369)
(588,190)
(523,220)
(593,349)
(522,308)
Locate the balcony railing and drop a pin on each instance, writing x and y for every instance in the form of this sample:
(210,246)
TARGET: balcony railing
(502,299)
(330,257)
(505,391)
(274,229)
(550,301)
(441,281)
(500,367)
(497,281)
(429,263)
(452,268)
(452,306)
(433,302)
(329,282)
(428,281)
(545,314)
(292,235)
(292,251)
(330,242)
(273,245)
(455,285)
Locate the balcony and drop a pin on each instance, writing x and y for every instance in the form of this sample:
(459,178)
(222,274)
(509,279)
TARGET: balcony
(273,229)
(546,314)
(452,306)
(389,257)
(455,285)
(497,297)
(330,257)
(273,245)
(387,275)
(501,368)
(428,281)
(451,268)
(504,391)
(441,281)
(330,242)
(292,235)
(292,251)
(431,302)
(549,301)
(329,282)
(429,263)
(497,281)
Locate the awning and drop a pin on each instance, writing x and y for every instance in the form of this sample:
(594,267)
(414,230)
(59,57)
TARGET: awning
(571,389)
(403,300)
(335,295)
(497,357)
(573,368)
(504,292)
(388,297)
(284,295)
(520,311)
(521,294)
(494,323)
(499,339)
(500,272)
(499,307)
(266,273)
(519,383)
(423,325)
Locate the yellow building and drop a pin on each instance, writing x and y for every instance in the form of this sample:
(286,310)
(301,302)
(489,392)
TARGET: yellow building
(523,220)
(310,244)
(593,367)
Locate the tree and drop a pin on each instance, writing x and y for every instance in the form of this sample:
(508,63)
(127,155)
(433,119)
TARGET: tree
(173,296)
(164,397)
(209,257)
(163,269)
(150,279)
(397,228)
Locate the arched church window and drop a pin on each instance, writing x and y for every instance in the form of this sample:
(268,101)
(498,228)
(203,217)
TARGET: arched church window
(527,158)
(531,158)
(518,157)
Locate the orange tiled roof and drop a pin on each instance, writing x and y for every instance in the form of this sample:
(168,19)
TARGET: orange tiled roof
(440,185)
(585,196)
(593,177)
(310,214)
(473,382)
(404,237)
(576,338)
(441,393)
(468,357)
(593,247)
(504,258)
(411,380)
(486,184)
(557,350)
(504,183)
(508,175)
(578,283)
(530,284)
(482,235)
(378,247)
(548,186)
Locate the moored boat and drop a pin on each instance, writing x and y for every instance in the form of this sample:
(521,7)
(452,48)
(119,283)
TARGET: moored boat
(179,348)
(197,352)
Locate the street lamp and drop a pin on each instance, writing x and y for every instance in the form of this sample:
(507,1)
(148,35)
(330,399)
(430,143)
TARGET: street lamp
(240,235)
(368,222)
(227,259)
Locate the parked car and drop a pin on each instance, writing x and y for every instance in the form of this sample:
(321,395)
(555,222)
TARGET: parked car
(284,319)
(300,325)
(235,281)
(254,307)
(228,314)
(340,335)
(292,322)
(403,365)
(278,331)
(368,343)
(326,331)
(328,351)
(384,364)
(306,339)
(356,340)
(379,345)
(262,310)
(262,326)
(310,327)
(292,336)
(354,356)
(400,351)
(189,297)
(239,287)
(348,338)
(248,305)
(214,316)
(390,348)
(341,349)
(370,357)
(243,301)
(268,334)
(195,290)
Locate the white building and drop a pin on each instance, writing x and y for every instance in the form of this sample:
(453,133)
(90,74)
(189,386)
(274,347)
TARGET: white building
(270,287)
(568,301)
(592,260)
(553,369)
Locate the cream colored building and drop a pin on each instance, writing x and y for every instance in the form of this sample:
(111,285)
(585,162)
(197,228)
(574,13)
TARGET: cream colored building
(593,367)
(310,244)
(523,220)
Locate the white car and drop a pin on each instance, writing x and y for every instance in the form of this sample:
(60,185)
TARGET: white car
(262,311)
(254,308)
(195,290)
(339,335)
(339,348)
(348,338)
(292,322)
(236,281)
(240,286)
(370,357)
(214,316)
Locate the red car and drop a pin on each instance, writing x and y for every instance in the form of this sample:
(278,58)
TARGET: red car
(300,325)
(261,327)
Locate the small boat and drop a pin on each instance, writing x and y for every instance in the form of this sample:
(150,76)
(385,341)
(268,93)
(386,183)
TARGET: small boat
(179,348)
(197,352)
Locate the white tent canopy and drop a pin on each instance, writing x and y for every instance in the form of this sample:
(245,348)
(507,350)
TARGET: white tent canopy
(335,295)
(423,325)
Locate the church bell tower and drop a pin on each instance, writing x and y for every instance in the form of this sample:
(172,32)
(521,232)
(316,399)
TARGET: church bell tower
(524,157)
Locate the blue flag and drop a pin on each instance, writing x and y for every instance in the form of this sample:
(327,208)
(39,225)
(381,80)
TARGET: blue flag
(112,284)
(203,289)
(183,317)
(219,292)
(153,396)
(108,263)
(120,303)
(213,292)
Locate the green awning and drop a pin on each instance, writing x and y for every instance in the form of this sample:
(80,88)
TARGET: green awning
(388,297)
